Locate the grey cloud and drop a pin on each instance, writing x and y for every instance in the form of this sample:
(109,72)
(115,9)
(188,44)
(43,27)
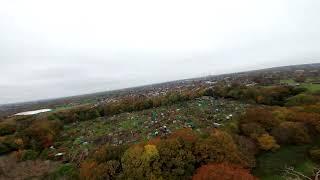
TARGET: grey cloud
(46,51)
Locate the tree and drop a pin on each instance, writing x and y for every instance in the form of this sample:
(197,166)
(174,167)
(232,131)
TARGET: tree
(222,171)
(176,158)
(267,142)
(248,149)
(41,133)
(252,130)
(91,170)
(218,147)
(291,133)
(262,116)
(140,162)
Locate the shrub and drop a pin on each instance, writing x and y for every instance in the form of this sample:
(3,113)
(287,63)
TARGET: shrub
(222,171)
(301,99)
(8,144)
(29,155)
(267,142)
(315,154)
(42,133)
(65,171)
(7,128)
(107,152)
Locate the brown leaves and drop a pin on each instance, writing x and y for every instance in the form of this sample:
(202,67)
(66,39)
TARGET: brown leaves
(222,171)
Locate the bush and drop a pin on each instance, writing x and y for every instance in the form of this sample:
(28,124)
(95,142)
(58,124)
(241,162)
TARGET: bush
(8,144)
(41,133)
(65,171)
(222,171)
(7,128)
(315,154)
(107,152)
(29,155)
(301,99)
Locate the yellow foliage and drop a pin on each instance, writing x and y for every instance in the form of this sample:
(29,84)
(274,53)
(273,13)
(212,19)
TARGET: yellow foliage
(267,142)
(150,151)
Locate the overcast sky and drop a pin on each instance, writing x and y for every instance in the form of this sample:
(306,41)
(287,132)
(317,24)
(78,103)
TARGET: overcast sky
(67,47)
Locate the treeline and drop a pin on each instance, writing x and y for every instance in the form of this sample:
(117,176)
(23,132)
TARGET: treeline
(127,104)
(273,95)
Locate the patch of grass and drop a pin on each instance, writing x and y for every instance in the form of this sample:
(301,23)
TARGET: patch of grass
(272,163)
(273,177)
(65,171)
(29,155)
(311,87)
(288,81)
(306,167)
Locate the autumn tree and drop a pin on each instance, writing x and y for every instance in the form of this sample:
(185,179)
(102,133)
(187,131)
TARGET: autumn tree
(141,162)
(176,158)
(218,147)
(262,116)
(91,170)
(41,133)
(267,142)
(222,171)
(291,133)
(252,130)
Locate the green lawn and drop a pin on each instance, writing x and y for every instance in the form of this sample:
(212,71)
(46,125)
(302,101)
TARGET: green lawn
(270,165)
(311,87)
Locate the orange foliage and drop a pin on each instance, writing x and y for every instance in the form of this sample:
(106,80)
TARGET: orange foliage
(261,116)
(186,134)
(311,119)
(222,171)
(219,147)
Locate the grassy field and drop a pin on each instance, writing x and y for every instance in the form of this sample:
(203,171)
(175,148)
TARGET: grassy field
(270,165)
(311,87)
